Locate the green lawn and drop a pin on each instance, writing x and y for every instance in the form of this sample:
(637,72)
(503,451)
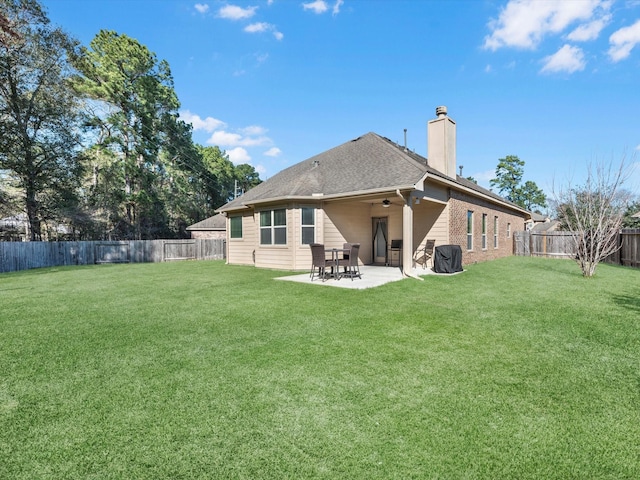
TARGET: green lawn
(518,368)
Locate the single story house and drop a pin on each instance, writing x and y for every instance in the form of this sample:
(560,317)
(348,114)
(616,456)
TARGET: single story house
(371,191)
(212,227)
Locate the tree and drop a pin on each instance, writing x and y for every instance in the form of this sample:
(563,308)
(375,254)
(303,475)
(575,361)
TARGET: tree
(529,196)
(247,177)
(508,176)
(594,213)
(139,120)
(508,181)
(629,220)
(39,139)
(218,183)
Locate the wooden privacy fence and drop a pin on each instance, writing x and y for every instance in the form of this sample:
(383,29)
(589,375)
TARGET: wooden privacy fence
(562,245)
(16,256)
(544,244)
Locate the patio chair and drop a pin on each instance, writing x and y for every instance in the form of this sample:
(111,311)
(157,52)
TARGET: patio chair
(350,263)
(345,255)
(423,255)
(319,261)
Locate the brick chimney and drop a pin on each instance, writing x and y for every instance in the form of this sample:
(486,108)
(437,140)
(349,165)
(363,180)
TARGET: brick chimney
(441,143)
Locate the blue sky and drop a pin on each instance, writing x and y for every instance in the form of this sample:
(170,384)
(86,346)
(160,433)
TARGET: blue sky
(273,82)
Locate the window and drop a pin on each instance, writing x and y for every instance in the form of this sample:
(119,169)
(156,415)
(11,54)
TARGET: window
(235,226)
(508,230)
(308,225)
(469,230)
(273,227)
(495,232)
(484,231)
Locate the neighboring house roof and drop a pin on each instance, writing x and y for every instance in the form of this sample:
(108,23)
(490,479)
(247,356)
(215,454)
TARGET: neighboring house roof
(636,215)
(547,226)
(537,217)
(217,222)
(367,164)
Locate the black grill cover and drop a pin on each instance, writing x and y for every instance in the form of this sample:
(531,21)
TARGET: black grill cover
(447,259)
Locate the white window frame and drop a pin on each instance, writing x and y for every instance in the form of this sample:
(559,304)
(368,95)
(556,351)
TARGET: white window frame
(495,231)
(484,231)
(469,230)
(231,220)
(307,226)
(273,229)
(508,230)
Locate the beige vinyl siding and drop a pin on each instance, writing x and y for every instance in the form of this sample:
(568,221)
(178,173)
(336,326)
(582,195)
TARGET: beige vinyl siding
(348,222)
(240,250)
(302,253)
(437,192)
(277,257)
(430,221)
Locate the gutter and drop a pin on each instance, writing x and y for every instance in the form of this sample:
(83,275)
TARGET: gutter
(316,197)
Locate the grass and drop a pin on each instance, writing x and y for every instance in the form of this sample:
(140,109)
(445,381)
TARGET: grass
(517,368)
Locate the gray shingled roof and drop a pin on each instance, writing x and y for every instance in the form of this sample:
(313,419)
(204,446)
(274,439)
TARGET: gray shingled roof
(217,222)
(367,163)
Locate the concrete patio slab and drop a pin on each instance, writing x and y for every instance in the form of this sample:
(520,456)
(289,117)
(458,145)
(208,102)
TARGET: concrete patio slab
(372,276)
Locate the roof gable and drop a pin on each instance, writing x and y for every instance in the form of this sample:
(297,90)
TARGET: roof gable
(368,162)
(216,222)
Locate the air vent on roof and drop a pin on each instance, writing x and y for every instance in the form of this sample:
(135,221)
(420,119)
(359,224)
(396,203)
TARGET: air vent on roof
(441,111)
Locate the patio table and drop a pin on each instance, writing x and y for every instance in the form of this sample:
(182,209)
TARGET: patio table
(335,271)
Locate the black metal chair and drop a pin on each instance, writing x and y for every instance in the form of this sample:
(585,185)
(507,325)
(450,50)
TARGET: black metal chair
(349,262)
(423,255)
(319,261)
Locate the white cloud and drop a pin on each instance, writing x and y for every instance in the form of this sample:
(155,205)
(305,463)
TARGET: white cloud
(483,178)
(233,12)
(253,130)
(261,27)
(336,7)
(524,23)
(273,152)
(318,6)
(568,59)
(261,170)
(623,41)
(238,155)
(257,27)
(208,124)
(589,31)
(202,7)
(487,69)
(243,139)
(224,139)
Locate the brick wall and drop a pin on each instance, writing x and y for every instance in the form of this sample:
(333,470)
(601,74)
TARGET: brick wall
(459,204)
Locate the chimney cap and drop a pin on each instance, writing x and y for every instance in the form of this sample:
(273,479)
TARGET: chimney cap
(441,111)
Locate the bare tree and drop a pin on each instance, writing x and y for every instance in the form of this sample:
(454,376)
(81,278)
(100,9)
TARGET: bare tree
(594,212)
